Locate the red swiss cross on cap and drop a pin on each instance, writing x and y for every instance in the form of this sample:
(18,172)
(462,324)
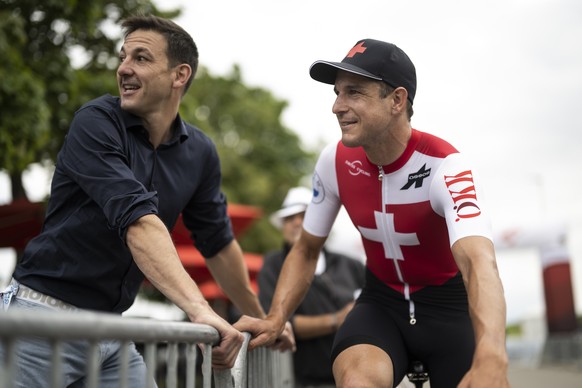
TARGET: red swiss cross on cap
(357,49)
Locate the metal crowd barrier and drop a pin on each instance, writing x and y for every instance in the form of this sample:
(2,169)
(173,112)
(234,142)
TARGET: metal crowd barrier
(259,368)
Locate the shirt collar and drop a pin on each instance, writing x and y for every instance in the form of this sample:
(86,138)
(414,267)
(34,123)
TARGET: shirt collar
(180,132)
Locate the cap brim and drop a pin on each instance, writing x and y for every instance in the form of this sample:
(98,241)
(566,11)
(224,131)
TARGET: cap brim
(277,217)
(326,72)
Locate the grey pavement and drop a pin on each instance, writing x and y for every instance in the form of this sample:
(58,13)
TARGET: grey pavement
(545,377)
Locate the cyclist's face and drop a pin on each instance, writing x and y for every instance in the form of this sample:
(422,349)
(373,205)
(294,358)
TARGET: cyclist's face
(362,113)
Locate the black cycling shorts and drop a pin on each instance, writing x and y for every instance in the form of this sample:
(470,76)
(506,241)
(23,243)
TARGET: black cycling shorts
(442,338)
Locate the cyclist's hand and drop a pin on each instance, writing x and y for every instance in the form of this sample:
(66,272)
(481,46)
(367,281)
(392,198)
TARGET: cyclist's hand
(264,331)
(485,376)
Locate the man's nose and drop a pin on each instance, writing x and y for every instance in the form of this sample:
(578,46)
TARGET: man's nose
(124,68)
(338,106)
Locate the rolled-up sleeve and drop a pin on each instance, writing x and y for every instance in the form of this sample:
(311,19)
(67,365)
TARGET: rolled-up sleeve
(96,156)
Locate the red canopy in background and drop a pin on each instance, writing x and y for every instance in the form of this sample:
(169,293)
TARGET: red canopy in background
(21,220)
(242,217)
(195,264)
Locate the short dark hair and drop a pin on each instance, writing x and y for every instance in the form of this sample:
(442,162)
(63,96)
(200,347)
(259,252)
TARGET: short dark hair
(385,91)
(181,46)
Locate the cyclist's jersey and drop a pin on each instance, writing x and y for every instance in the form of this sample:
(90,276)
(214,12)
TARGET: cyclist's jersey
(409,213)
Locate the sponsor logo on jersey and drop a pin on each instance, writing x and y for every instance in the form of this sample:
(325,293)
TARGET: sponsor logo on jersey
(355,168)
(416,178)
(318,190)
(463,193)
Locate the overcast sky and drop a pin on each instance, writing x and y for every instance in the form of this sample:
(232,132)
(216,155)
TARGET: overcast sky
(501,80)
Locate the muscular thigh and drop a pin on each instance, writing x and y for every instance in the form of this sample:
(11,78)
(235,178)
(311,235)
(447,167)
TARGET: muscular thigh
(369,324)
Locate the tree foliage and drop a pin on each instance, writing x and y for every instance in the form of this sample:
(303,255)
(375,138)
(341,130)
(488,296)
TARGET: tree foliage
(59,54)
(24,113)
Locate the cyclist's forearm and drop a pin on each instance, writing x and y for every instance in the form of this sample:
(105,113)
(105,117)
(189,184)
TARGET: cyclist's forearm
(295,277)
(476,259)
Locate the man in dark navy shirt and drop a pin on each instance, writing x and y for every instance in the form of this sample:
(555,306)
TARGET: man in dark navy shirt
(128,168)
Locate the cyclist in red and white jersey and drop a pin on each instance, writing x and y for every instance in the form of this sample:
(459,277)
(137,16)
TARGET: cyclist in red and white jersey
(432,290)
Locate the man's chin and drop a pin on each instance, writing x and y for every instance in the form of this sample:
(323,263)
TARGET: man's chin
(349,141)
(126,105)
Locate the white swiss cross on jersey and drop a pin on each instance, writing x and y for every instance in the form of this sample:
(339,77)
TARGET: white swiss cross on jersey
(385,228)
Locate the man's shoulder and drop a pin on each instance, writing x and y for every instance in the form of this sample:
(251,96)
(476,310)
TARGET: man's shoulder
(106,101)
(107,106)
(433,145)
(196,132)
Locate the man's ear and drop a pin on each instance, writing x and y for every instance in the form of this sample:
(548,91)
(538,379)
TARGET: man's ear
(182,72)
(400,97)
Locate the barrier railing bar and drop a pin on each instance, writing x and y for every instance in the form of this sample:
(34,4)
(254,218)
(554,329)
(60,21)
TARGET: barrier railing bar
(150,361)
(7,369)
(124,360)
(172,365)
(104,326)
(93,365)
(207,365)
(191,365)
(57,361)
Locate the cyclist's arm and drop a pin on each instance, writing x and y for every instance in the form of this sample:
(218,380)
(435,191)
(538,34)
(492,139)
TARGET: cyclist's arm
(296,276)
(475,257)
(292,285)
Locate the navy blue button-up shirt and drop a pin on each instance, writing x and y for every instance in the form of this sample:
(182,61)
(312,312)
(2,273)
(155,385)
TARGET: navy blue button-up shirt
(107,176)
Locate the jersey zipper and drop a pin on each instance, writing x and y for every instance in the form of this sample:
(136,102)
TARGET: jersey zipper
(384,194)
